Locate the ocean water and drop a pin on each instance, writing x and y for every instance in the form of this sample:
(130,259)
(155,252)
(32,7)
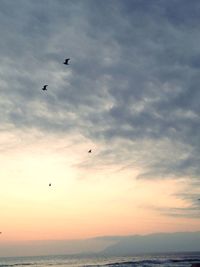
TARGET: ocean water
(166,260)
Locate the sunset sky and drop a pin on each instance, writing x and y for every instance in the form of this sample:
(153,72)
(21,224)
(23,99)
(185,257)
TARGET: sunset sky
(131,93)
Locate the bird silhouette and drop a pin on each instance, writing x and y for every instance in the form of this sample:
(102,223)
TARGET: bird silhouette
(45,87)
(90,151)
(66,61)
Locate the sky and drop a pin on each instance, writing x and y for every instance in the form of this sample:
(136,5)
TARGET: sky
(130,93)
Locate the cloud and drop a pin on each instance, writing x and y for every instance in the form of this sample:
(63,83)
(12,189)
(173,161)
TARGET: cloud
(189,212)
(190,203)
(132,84)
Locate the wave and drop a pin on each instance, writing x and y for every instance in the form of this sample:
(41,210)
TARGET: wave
(17,264)
(154,262)
(38,264)
(162,260)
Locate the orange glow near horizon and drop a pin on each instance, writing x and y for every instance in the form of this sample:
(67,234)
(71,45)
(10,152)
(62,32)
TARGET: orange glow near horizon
(83,201)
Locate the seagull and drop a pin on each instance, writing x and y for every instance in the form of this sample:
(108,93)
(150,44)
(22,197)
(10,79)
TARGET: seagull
(90,151)
(66,61)
(45,87)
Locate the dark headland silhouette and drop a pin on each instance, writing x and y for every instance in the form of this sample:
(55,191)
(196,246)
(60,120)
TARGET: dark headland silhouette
(153,243)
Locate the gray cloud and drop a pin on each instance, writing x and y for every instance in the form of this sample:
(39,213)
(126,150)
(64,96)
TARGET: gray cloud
(132,83)
(189,212)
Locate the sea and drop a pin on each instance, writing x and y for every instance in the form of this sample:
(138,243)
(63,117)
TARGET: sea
(161,260)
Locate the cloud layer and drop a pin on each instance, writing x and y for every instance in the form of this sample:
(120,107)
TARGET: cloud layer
(132,84)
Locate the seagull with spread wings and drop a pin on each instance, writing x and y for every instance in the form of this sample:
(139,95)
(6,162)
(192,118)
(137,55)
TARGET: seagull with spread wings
(66,61)
(45,87)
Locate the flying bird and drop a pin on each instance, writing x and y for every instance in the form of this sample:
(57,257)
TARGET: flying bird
(90,151)
(45,87)
(66,61)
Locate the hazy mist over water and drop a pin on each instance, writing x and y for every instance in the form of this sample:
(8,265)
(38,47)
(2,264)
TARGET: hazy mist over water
(107,245)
